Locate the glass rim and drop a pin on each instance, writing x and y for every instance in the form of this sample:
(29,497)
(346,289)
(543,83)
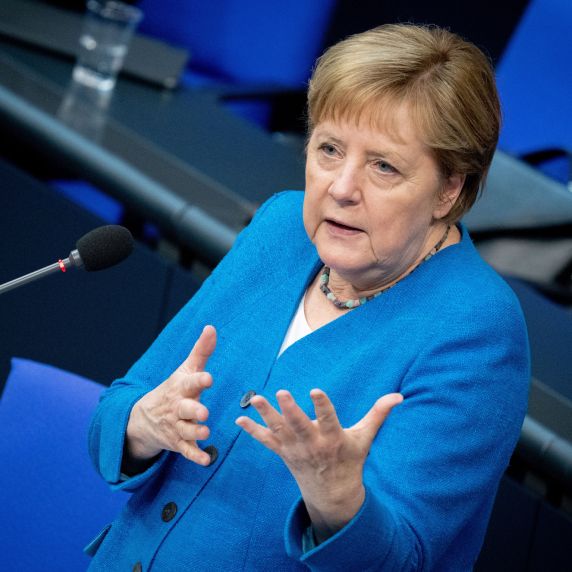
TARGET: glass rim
(115,10)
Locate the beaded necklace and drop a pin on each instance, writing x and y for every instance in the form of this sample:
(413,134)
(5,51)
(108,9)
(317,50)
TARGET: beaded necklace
(349,304)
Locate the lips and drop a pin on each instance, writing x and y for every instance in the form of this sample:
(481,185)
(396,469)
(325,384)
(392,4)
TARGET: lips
(338,227)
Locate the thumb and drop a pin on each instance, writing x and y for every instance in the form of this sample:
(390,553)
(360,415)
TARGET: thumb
(371,422)
(201,352)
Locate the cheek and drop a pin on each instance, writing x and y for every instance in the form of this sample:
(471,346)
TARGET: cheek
(396,225)
(313,199)
(309,215)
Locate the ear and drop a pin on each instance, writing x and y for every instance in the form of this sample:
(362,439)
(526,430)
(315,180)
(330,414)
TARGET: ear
(452,187)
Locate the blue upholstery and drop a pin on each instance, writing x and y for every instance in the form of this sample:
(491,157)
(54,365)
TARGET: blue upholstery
(534,78)
(243,41)
(92,199)
(52,501)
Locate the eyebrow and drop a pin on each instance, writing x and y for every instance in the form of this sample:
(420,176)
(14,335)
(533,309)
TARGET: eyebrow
(327,135)
(390,155)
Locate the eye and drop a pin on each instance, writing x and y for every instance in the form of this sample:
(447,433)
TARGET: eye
(328,149)
(385,167)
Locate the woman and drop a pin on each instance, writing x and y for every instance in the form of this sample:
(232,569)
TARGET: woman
(362,379)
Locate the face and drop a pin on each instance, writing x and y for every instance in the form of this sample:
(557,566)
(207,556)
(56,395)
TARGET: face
(374,199)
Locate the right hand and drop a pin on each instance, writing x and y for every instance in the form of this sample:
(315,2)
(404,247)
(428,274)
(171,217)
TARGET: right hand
(170,416)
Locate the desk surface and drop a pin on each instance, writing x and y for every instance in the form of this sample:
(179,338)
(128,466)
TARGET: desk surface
(184,141)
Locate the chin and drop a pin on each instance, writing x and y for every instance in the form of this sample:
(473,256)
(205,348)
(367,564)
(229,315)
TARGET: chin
(342,262)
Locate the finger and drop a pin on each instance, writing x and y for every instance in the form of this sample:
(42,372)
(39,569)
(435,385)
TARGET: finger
(192,409)
(189,431)
(261,434)
(202,351)
(273,419)
(194,384)
(193,453)
(326,415)
(371,422)
(298,421)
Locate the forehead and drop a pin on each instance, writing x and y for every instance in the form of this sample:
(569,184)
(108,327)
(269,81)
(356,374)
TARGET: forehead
(392,124)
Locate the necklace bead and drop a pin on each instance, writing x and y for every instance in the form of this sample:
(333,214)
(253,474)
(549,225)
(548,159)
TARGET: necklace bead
(354,303)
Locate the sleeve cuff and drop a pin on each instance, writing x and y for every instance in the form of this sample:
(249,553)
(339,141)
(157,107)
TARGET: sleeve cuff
(365,543)
(130,483)
(107,436)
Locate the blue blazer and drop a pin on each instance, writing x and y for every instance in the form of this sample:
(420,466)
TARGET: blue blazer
(450,337)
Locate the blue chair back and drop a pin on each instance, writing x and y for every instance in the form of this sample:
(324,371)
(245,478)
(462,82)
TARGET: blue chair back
(243,41)
(534,77)
(52,501)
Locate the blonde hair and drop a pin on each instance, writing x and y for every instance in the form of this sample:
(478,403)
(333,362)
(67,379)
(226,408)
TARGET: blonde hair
(447,83)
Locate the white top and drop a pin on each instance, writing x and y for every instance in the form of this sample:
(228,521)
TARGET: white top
(298,328)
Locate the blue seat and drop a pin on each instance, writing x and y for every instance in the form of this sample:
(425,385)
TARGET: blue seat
(84,194)
(52,501)
(534,78)
(244,42)
(252,43)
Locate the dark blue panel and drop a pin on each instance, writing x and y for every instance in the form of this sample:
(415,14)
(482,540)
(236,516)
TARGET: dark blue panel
(182,287)
(95,324)
(552,547)
(550,334)
(511,528)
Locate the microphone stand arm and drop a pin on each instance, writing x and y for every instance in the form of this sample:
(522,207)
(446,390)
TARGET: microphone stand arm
(73,261)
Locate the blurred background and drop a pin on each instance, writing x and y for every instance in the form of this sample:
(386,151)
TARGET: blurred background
(206,121)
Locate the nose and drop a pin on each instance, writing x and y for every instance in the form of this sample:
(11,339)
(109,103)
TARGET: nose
(345,187)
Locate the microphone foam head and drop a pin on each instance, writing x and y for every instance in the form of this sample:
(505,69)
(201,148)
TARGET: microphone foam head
(105,246)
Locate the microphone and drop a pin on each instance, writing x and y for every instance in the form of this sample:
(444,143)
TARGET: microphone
(99,249)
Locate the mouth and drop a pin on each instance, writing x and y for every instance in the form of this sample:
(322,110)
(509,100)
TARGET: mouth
(341,228)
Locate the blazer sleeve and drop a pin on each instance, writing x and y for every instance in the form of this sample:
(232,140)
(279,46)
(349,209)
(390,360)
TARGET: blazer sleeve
(107,430)
(435,465)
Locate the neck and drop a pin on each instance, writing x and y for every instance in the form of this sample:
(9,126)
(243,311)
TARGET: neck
(346,287)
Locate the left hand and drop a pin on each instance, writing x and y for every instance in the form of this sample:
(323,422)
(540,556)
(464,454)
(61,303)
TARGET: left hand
(325,459)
